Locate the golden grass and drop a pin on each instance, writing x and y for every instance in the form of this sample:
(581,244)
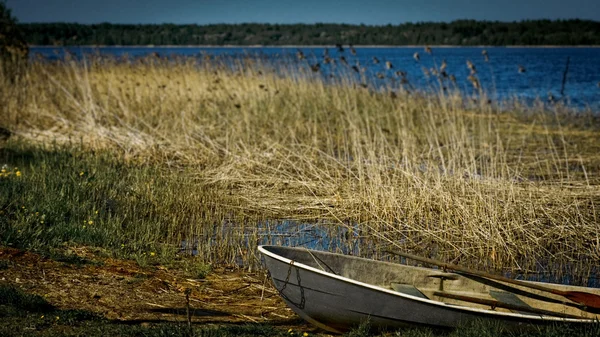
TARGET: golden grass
(429,173)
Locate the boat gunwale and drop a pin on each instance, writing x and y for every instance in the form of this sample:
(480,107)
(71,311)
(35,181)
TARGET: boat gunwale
(539,317)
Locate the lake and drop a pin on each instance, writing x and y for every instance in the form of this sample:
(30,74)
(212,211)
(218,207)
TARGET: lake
(527,74)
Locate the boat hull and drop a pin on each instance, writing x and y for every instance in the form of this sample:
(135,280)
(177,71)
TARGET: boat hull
(336,303)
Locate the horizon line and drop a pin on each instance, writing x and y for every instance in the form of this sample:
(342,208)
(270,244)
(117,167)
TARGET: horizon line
(308,24)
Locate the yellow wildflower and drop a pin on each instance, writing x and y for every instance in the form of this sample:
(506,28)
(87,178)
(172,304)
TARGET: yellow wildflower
(152,253)
(18,173)
(90,222)
(81,173)
(83,226)
(305,334)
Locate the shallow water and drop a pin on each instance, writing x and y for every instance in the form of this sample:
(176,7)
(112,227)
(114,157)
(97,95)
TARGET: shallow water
(349,240)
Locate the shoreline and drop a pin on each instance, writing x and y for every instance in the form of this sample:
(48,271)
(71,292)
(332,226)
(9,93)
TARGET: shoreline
(312,46)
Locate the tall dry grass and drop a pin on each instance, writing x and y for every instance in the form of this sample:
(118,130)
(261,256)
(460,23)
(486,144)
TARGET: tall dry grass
(431,173)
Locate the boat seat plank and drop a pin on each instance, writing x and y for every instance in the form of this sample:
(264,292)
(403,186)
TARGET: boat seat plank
(408,289)
(509,298)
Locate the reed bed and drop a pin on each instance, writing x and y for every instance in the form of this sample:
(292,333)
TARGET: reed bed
(513,189)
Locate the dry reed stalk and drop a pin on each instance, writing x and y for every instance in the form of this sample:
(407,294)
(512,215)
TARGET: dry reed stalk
(420,172)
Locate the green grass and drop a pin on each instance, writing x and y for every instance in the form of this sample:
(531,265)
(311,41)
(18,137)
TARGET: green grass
(483,329)
(68,197)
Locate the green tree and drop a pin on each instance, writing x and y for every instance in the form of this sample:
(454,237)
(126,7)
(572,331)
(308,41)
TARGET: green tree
(461,32)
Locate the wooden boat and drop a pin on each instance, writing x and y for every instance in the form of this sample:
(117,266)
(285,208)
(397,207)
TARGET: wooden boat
(337,292)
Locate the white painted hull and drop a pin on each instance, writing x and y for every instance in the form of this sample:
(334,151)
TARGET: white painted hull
(317,287)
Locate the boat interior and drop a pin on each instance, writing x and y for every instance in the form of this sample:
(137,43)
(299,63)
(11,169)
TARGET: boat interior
(451,288)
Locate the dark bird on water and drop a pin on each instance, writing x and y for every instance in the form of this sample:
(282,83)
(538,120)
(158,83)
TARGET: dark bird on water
(416,56)
(300,55)
(339,47)
(401,73)
(428,50)
(355,68)
(380,76)
(375,60)
(315,67)
(521,69)
(343,59)
(389,65)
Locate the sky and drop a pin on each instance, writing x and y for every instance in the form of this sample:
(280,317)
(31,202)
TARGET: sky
(370,12)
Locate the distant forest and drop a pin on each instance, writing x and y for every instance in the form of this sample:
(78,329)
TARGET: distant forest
(462,32)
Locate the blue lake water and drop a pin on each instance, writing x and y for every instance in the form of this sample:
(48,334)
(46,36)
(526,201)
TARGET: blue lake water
(541,75)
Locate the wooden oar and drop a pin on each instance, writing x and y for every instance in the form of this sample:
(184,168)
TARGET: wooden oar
(585,299)
(499,304)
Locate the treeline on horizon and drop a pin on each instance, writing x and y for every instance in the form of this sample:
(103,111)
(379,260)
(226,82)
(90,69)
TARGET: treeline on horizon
(461,32)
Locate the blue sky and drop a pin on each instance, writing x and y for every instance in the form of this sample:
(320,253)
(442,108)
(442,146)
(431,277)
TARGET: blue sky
(373,12)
